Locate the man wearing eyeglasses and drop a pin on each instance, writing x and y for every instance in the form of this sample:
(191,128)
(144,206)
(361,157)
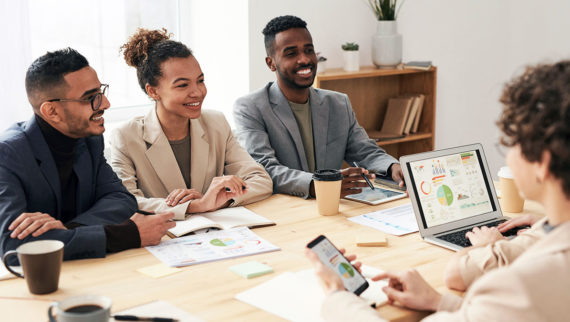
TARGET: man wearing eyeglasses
(54,180)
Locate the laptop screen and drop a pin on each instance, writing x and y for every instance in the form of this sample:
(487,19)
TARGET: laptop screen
(451,187)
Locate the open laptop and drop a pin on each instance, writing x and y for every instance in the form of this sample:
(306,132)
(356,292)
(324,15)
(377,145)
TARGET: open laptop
(451,192)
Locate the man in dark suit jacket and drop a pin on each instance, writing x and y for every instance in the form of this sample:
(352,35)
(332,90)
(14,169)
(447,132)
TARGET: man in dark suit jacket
(293,129)
(54,180)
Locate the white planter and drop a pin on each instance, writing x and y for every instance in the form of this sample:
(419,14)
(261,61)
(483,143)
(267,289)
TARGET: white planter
(321,67)
(351,60)
(386,45)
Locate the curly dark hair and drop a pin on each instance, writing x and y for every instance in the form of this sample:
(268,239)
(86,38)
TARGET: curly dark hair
(44,78)
(146,50)
(277,25)
(536,116)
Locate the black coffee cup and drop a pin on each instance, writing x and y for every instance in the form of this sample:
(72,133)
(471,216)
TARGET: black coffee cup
(41,264)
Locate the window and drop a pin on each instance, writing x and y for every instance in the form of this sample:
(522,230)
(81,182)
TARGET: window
(97,29)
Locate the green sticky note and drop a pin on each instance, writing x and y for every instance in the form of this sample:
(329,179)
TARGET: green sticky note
(251,269)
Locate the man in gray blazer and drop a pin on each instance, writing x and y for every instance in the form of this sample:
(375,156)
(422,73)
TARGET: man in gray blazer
(293,129)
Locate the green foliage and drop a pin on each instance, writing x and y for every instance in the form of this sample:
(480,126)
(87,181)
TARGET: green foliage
(385,9)
(350,46)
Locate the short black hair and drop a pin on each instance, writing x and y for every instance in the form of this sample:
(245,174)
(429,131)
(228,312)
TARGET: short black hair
(277,25)
(46,74)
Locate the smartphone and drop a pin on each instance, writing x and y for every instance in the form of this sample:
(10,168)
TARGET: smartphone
(388,182)
(331,257)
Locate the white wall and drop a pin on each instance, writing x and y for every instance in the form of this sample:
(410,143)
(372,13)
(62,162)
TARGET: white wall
(476,45)
(331,23)
(217,32)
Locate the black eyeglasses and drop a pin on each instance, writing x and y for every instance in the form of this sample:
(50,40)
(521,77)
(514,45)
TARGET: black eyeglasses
(95,100)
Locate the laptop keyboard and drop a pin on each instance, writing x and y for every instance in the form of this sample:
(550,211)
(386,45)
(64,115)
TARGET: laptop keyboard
(458,237)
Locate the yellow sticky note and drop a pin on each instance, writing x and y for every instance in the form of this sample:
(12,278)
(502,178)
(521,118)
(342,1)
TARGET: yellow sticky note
(159,270)
(366,238)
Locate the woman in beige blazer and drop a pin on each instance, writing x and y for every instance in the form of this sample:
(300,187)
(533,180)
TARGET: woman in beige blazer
(179,158)
(536,286)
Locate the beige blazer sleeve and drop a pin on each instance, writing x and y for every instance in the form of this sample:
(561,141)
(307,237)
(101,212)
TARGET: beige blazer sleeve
(480,260)
(533,288)
(240,163)
(142,157)
(132,167)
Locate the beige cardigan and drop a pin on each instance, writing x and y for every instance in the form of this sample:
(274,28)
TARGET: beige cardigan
(142,157)
(481,260)
(535,287)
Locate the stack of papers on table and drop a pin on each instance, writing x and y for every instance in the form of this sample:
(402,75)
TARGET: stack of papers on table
(211,246)
(297,296)
(396,221)
(160,309)
(221,219)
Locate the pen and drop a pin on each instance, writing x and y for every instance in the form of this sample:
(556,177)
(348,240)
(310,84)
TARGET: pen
(142,212)
(364,176)
(142,318)
(228,189)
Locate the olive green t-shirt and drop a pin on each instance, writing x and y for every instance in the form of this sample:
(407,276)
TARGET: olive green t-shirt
(302,114)
(181,149)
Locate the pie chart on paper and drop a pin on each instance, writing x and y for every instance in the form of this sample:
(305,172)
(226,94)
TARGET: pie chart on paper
(222,242)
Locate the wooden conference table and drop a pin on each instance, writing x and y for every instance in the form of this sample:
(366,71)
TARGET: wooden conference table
(207,290)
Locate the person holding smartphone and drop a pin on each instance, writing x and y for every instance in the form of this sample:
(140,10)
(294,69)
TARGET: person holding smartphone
(350,277)
(535,125)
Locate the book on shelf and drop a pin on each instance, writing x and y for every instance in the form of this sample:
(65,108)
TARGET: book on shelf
(397,114)
(221,219)
(416,125)
(413,123)
(420,65)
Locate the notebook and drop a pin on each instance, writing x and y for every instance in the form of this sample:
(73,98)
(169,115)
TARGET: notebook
(451,192)
(220,219)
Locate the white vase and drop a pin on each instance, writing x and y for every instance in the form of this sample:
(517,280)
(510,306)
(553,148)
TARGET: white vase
(351,60)
(386,45)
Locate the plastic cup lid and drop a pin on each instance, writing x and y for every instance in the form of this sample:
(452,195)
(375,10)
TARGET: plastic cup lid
(505,172)
(327,175)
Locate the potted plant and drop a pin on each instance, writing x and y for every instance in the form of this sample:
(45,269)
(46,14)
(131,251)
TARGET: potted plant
(386,43)
(321,63)
(351,56)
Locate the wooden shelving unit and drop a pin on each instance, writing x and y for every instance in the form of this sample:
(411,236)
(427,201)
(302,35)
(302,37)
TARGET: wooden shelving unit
(369,90)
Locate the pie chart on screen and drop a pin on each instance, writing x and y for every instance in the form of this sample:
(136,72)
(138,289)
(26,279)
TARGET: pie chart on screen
(345,270)
(444,195)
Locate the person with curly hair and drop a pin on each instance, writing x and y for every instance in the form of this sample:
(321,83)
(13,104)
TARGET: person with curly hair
(535,125)
(293,129)
(179,157)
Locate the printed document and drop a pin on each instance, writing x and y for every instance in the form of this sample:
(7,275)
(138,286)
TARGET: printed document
(211,246)
(395,221)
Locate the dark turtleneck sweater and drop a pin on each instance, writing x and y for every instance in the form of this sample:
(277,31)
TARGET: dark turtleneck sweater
(119,237)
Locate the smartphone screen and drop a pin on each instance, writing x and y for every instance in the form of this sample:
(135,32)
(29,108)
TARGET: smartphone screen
(331,257)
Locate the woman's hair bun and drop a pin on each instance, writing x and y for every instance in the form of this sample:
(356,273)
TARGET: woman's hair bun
(135,51)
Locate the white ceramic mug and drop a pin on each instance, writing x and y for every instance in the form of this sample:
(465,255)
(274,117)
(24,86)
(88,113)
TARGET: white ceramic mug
(83,308)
